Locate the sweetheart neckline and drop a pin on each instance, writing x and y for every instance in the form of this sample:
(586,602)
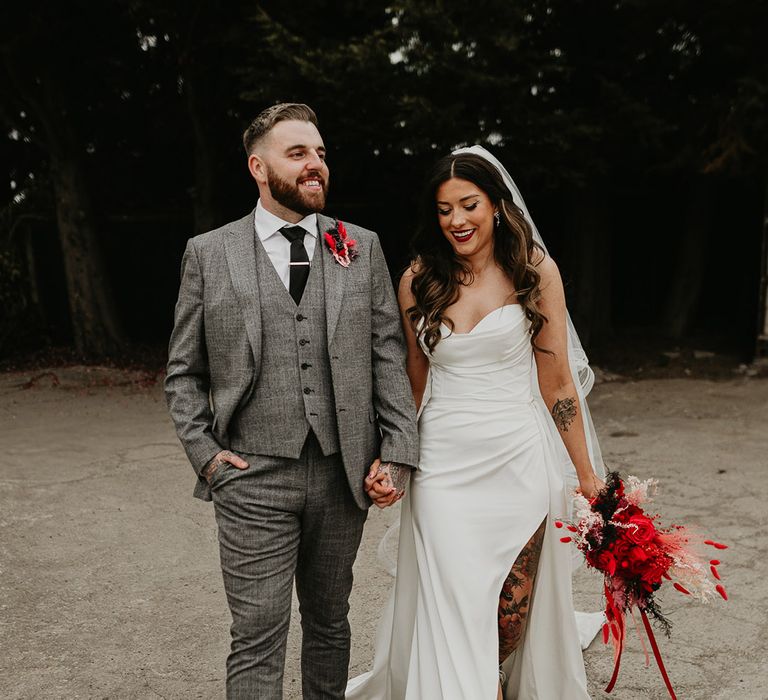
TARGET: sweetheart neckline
(474,328)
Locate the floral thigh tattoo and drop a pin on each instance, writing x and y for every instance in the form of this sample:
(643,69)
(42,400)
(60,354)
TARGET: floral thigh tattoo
(514,601)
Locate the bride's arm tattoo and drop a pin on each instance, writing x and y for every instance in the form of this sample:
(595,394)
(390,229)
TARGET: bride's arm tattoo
(564,413)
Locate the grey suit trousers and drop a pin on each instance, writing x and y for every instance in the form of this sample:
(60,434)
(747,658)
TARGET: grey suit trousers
(279,519)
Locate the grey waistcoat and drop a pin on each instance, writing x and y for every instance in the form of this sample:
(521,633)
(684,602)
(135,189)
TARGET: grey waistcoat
(294,390)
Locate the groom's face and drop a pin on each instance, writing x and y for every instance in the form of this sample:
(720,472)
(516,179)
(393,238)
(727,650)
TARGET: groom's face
(291,169)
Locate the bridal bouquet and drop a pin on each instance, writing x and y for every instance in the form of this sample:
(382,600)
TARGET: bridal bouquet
(636,555)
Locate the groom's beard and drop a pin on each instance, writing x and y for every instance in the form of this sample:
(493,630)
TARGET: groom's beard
(291,196)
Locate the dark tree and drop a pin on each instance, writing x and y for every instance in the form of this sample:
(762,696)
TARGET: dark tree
(59,65)
(194,52)
(623,123)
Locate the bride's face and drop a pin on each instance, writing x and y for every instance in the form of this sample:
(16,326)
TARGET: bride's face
(465,214)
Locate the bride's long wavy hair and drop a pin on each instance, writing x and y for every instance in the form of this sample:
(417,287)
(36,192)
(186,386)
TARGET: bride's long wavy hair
(438,273)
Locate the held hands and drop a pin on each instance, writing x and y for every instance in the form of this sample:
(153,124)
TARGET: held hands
(385,483)
(590,486)
(219,461)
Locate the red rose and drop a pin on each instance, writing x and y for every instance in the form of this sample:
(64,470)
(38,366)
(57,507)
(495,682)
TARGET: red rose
(621,551)
(653,572)
(637,560)
(641,529)
(604,561)
(630,558)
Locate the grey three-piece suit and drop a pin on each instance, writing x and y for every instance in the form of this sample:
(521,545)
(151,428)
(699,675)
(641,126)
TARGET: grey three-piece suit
(309,395)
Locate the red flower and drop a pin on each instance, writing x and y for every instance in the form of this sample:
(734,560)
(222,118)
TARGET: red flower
(343,250)
(621,551)
(637,559)
(625,511)
(641,529)
(653,572)
(630,558)
(603,561)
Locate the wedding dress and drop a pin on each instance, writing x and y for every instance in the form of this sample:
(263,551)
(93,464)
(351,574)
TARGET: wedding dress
(490,472)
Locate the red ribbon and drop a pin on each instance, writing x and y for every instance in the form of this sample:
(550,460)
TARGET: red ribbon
(612,613)
(615,619)
(615,675)
(657,655)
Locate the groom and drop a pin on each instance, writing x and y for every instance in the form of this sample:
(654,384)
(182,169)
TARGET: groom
(286,383)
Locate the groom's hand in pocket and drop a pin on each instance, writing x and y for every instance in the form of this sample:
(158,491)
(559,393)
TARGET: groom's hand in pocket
(220,461)
(380,485)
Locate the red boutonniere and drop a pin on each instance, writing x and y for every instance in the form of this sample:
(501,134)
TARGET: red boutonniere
(342,248)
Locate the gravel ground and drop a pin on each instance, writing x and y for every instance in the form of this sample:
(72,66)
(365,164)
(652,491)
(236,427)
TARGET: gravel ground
(109,579)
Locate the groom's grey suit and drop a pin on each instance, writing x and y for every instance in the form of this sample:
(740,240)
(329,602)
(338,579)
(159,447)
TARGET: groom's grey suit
(309,395)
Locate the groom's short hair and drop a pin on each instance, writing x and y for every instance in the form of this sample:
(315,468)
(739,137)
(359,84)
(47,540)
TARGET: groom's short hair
(284,111)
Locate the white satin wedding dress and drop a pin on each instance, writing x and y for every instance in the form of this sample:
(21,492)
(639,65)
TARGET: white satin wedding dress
(488,476)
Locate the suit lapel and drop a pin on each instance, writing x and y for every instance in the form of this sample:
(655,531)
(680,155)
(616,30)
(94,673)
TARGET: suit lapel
(334,277)
(240,247)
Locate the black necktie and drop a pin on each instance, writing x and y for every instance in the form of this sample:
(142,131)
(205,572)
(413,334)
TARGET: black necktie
(299,261)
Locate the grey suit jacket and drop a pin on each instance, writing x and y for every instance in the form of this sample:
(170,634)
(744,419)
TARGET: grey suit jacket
(214,355)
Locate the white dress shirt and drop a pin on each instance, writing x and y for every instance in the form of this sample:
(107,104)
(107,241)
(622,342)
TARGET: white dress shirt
(278,247)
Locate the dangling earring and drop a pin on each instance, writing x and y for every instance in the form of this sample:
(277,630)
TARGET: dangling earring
(497,217)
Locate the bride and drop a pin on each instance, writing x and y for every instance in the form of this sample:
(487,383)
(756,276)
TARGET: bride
(482,604)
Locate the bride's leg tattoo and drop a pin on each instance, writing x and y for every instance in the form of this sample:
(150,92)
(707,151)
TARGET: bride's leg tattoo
(514,601)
